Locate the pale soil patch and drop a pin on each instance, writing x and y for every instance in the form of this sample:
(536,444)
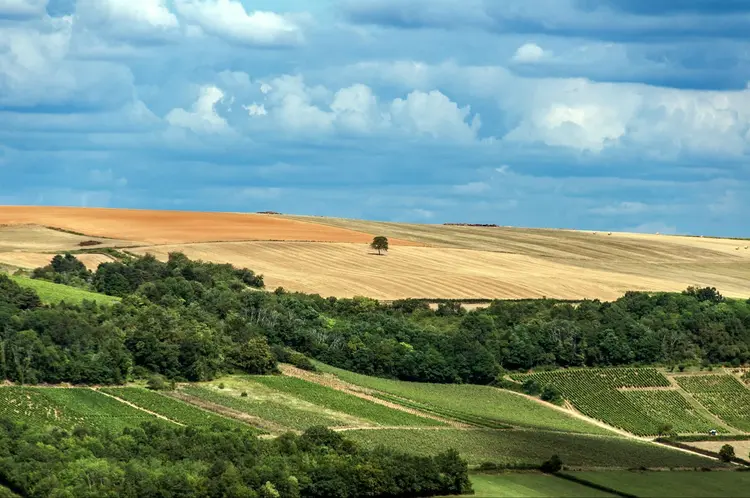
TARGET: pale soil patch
(347,270)
(165,227)
(32,260)
(741,448)
(231,413)
(333,382)
(36,239)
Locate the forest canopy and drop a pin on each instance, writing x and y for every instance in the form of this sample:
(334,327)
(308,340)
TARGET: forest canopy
(191,320)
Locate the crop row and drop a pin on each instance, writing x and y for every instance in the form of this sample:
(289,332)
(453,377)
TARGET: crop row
(596,393)
(723,395)
(68,408)
(278,411)
(342,402)
(173,409)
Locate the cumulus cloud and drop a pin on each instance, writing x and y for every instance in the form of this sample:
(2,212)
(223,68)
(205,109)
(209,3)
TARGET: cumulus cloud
(35,69)
(132,19)
(229,20)
(434,114)
(529,52)
(255,109)
(21,9)
(202,118)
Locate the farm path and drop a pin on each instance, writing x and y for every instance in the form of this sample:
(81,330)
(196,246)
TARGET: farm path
(231,413)
(157,415)
(360,392)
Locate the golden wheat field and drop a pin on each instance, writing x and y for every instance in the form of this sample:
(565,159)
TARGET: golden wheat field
(330,256)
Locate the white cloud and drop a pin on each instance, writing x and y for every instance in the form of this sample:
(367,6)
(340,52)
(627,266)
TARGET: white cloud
(255,109)
(107,178)
(576,113)
(435,115)
(228,19)
(22,8)
(529,52)
(356,109)
(202,118)
(35,69)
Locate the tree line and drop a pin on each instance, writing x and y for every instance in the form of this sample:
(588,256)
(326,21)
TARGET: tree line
(155,460)
(190,320)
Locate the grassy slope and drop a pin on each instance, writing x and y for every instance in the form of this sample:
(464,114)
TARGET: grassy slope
(173,409)
(477,401)
(522,446)
(50,292)
(281,411)
(68,408)
(343,402)
(528,485)
(658,484)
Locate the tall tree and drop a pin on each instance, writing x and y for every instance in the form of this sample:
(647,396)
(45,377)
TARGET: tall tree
(380,244)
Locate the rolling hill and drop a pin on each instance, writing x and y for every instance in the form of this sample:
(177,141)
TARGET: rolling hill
(330,256)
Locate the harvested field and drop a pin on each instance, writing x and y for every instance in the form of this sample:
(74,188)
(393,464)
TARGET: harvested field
(347,270)
(741,448)
(169,227)
(37,239)
(35,259)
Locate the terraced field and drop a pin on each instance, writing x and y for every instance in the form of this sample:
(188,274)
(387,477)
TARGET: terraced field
(477,405)
(177,411)
(52,293)
(723,395)
(601,394)
(68,408)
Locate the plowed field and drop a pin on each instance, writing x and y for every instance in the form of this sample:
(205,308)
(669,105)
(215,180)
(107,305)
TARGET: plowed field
(169,227)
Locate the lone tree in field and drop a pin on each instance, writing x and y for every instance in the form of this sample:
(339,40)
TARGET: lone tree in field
(726,453)
(380,244)
(665,430)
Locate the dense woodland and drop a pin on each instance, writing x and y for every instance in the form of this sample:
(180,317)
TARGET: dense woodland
(159,461)
(189,320)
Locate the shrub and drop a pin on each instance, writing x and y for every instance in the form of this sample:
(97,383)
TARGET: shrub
(531,387)
(726,453)
(551,394)
(221,385)
(157,382)
(554,464)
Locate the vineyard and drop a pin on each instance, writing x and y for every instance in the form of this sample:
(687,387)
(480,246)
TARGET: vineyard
(173,409)
(482,406)
(279,411)
(722,395)
(598,393)
(524,447)
(68,408)
(344,403)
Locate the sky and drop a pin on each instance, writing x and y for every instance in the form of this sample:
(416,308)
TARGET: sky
(588,114)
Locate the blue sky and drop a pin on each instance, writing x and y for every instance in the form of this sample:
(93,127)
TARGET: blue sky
(592,114)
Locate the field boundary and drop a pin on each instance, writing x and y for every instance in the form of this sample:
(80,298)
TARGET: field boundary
(593,485)
(132,405)
(360,392)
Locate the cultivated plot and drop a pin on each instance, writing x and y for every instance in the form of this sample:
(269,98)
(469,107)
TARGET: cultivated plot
(528,485)
(172,409)
(533,447)
(325,397)
(723,395)
(165,227)
(68,408)
(660,484)
(476,405)
(638,400)
(347,270)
